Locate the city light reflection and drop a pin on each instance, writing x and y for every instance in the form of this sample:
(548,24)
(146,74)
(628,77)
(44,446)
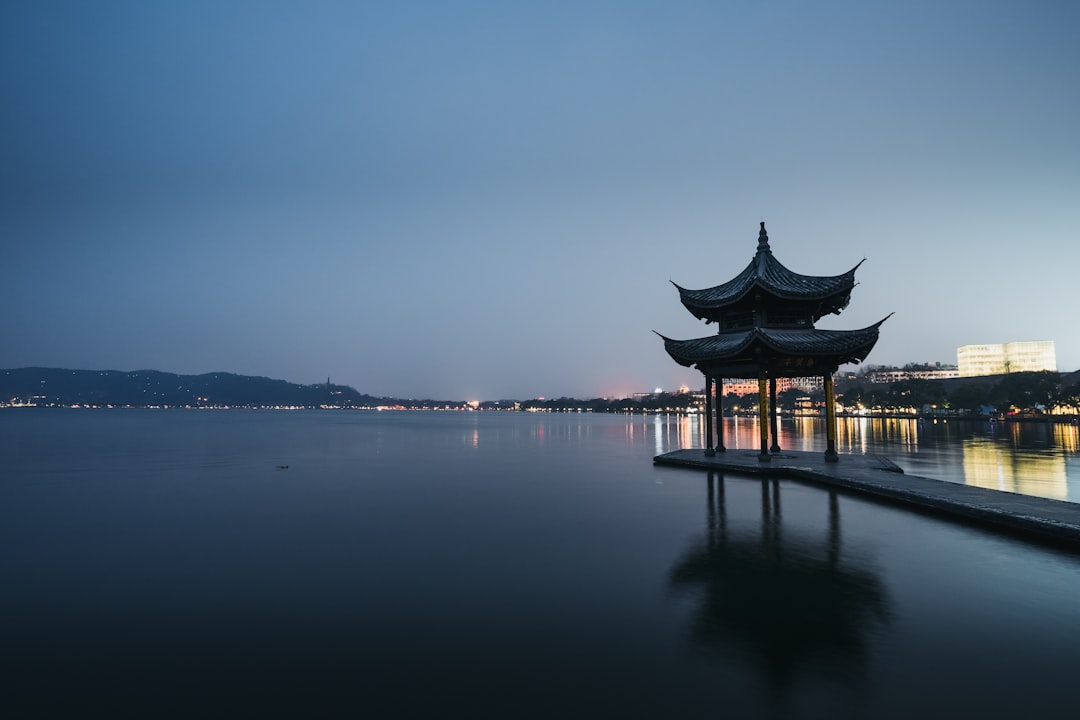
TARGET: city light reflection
(989,465)
(1028,458)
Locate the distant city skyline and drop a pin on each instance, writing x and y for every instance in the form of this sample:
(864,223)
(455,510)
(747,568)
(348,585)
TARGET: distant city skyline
(482,200)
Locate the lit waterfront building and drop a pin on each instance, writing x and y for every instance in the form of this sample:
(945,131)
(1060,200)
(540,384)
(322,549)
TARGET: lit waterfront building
(741,386)
(887,377)
(999,359)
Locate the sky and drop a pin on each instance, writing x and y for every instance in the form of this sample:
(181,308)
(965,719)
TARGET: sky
(486,200)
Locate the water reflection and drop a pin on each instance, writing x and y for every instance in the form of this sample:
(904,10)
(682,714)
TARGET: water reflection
(1041,459)
(789,602)
(671,432)
(988,465)
(1067,437)
(862,435)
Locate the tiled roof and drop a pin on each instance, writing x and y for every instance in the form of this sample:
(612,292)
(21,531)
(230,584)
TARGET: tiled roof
(769,274)
(843,345)
(725,345)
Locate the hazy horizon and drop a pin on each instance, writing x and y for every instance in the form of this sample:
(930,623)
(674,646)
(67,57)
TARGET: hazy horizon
(481,200)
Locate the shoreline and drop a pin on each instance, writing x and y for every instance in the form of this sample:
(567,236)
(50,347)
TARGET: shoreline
(1044,419)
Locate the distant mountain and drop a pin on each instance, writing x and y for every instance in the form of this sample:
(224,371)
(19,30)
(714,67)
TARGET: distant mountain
(149,388)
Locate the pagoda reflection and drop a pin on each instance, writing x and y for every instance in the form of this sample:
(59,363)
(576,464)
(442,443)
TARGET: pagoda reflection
(789,602)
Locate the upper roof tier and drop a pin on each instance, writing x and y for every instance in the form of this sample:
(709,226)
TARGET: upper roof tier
(781,289)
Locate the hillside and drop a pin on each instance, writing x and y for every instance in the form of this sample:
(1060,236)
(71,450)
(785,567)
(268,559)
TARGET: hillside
(152,388)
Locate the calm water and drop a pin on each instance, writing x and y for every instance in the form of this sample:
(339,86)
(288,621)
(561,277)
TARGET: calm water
(492,565)
(1029,458)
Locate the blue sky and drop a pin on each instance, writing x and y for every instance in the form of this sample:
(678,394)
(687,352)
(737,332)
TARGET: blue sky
(488,199)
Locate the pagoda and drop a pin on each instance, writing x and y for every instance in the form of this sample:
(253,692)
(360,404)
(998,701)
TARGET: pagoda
(765,321)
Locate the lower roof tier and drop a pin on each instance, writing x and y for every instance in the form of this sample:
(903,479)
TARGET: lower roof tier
(773,352)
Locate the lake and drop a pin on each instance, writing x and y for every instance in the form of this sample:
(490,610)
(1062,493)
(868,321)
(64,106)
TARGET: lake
(418,564)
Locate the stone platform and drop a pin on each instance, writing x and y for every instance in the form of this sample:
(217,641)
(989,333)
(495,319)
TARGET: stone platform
(1038,518)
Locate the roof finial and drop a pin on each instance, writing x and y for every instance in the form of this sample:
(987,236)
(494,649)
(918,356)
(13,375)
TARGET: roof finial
(763,239)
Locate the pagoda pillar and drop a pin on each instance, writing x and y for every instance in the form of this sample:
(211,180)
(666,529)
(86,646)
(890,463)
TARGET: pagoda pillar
(720,414)
(709,452)
(772,416)
(830,420)
(763,420)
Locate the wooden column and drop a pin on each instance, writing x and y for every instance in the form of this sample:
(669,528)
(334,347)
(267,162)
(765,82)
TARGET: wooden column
(720,414)
(830,420)
(772,416)
(708,416)
(763,420)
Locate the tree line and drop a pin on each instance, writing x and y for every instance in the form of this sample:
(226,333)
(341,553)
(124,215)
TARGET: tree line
(1016,392)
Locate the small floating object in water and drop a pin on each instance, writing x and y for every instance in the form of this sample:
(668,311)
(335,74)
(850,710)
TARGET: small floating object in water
(282,467)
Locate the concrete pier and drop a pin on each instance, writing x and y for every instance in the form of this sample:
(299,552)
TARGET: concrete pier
(1038,518)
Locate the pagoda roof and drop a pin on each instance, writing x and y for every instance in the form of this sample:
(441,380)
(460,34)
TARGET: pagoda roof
(767,273)
(772,347)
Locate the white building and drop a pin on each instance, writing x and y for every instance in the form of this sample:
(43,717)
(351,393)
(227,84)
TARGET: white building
(998,359)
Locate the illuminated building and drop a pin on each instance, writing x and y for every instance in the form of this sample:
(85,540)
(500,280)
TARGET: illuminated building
(765,320)
(740,386)
(887,377)
(999,359)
